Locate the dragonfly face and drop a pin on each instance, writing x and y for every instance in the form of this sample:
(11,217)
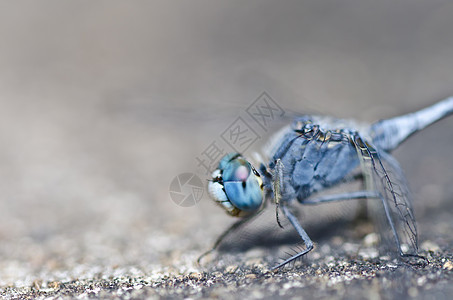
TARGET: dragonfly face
(236,186)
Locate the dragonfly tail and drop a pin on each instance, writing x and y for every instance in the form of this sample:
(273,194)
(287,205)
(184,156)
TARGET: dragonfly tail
(388,134)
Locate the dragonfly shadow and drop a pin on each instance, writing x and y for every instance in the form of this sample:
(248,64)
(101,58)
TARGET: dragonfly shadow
(321,224)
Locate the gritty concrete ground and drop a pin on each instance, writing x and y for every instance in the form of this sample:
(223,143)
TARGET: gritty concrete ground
(337,268)
(103,104)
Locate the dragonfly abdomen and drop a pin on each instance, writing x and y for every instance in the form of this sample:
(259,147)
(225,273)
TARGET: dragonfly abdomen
(389,134)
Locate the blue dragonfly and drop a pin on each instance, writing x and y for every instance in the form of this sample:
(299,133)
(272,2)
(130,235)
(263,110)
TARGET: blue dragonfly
(316,153)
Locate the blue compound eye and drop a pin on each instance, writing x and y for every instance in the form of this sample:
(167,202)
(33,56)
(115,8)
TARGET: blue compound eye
(246,196)
(236,185)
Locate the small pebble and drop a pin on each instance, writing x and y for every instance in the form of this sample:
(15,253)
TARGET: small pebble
(216,274)
(231,269)
(37,284)
(413,292)
(421,281)
(53,285)
(371,239)
(195,276)
(430,246)
(448,265)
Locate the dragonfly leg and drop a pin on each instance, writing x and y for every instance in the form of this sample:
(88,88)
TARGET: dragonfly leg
(305,238)
(277,187)
(227,232)
(395,234)
(340,197)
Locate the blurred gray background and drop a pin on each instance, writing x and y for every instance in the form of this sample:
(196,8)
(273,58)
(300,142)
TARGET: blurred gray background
(103,103)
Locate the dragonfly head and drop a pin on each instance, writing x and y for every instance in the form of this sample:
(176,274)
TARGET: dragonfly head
(236,186)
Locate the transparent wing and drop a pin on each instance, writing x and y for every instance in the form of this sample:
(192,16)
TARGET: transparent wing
(384,175)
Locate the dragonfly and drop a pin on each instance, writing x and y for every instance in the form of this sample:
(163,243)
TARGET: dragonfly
(315,153)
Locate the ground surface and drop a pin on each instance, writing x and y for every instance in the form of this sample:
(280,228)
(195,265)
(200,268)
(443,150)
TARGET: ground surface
(103,104)
(337,268)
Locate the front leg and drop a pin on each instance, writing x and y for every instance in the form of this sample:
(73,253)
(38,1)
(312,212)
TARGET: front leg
(304,236)
(230,229)
(277,187)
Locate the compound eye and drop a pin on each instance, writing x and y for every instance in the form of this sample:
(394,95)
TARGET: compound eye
(241,173)
(234,187)
(217,191)
(245,195)
(245,191)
